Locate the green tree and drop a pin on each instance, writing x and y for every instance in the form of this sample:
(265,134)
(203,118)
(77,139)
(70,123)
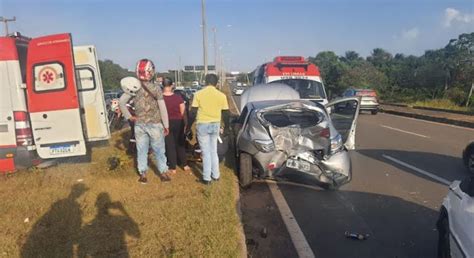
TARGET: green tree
(112,73)
(331,70)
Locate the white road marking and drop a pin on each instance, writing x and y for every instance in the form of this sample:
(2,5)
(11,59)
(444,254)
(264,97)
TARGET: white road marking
(419,170)
(297,237)
(430,122)
(403,131)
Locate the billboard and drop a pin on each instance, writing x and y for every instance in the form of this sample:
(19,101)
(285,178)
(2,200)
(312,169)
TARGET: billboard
(199,67)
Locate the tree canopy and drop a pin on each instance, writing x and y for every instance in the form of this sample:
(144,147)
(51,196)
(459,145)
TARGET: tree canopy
(441,73)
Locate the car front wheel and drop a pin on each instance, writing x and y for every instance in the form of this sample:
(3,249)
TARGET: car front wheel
(245,169)
(374,112)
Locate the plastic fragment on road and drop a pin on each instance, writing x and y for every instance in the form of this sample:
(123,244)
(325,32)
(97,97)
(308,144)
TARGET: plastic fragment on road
(356,236)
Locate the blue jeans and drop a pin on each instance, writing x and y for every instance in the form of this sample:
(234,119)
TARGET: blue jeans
(207,134)
(146,135)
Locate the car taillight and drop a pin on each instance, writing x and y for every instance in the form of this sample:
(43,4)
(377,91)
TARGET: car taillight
(24,136)
(325,133)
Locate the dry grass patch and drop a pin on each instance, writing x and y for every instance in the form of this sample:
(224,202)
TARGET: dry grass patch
(85,209)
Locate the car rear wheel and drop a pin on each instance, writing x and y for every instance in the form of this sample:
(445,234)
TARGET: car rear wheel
(444,250)
(245,169)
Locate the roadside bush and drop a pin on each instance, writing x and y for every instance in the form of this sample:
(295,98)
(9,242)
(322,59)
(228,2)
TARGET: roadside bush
(457,95)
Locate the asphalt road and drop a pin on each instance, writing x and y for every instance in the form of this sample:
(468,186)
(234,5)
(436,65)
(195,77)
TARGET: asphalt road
(388,197)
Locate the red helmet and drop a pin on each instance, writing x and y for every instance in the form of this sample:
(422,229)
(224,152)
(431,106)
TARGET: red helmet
(145,70)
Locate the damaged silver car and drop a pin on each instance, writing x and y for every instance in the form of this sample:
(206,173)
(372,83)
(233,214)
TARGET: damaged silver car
(296,140)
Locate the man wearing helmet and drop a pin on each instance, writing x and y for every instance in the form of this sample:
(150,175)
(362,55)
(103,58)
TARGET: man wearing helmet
(151,117)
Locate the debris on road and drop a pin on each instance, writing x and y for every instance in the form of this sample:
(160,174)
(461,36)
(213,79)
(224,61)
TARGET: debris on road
(264,233)
(356,236)
(26,220)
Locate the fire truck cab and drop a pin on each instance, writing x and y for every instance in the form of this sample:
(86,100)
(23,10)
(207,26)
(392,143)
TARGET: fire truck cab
(51,100)
(296,72)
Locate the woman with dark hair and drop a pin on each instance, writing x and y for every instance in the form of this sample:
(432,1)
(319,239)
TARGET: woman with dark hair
(175,140)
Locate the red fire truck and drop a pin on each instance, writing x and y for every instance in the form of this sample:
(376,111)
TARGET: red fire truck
(296,72)
(51,100)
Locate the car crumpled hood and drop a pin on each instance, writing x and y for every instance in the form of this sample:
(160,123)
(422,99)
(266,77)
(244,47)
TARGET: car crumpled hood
(294,139)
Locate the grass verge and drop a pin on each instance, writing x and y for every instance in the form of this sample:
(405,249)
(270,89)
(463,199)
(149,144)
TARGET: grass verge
(83,208)
(441,104)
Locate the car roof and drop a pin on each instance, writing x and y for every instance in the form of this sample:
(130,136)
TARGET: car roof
(271,91)
(269,103)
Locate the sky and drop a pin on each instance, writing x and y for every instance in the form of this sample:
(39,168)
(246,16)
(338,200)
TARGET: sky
(249,32)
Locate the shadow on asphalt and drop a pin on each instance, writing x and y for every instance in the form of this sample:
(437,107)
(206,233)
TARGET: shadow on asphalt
(397,228)
(448,167)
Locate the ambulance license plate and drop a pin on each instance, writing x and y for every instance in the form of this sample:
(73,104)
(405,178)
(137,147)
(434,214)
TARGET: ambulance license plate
(299,165)
(61,149)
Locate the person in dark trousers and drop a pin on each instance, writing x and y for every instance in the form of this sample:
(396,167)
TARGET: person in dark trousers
(211,106)
(175,140)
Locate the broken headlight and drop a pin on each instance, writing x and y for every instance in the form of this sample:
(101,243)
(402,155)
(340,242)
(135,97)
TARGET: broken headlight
(264,145)
(336,144)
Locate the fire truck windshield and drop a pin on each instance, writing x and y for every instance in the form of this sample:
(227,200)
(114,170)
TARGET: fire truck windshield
(308,89)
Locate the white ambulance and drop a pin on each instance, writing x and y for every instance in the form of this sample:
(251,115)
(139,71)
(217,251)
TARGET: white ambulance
(51,100)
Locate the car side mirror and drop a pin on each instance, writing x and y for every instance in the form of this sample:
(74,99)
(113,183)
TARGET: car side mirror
(467,186)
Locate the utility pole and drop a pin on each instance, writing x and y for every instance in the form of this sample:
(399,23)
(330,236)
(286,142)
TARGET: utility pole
(204,35)
(214,30)
(5,22)
(180,73)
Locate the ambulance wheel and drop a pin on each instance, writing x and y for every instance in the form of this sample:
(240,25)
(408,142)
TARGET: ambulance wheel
(245,169)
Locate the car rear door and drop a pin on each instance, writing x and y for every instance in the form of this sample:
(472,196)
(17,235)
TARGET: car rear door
(52,95)
(344,113)
(91,94)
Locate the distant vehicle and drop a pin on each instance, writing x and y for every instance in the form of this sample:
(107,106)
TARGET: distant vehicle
(52,102)
(239,84)
(293,139)
(468,157)
(456,221)
(296,72)
(195,83)
(238,91)
(369,101)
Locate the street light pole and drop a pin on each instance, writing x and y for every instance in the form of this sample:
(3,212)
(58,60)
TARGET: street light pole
(5,22)
(214,30)
(204,34)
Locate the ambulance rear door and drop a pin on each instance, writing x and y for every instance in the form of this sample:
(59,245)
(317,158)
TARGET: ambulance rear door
(52,96)
(91,94)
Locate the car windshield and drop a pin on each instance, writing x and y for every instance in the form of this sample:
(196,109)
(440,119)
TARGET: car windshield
(292,117)
(307,89)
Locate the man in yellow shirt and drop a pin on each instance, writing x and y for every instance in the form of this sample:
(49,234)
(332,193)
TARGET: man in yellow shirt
(211,107)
